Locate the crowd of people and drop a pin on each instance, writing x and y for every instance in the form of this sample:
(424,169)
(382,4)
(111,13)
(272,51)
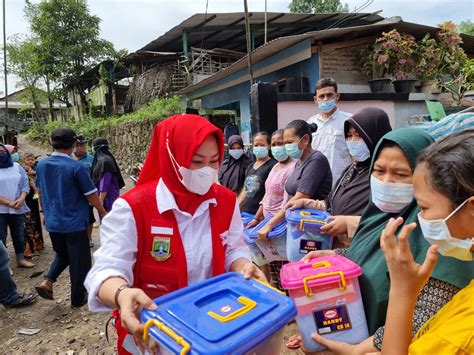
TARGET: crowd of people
(59,191)
(401,205)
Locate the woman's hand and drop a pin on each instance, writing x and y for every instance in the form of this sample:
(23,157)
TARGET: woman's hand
(262,233)
(131,302)
(249,269)
(406,276)
(333,347)
(317,254)
(338,226)
(306,203)
(252,223)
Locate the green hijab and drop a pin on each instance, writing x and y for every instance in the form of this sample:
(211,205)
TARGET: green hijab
(365,248)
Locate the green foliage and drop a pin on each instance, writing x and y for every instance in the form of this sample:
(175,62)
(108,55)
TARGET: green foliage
(467,27)
(94,127)
(69,39)
(461,83)
(23,61)
(317,6)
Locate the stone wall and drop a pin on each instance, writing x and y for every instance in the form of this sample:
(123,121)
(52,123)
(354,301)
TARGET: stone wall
(129,142)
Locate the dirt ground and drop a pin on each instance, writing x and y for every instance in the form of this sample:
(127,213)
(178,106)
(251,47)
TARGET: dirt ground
(62,330)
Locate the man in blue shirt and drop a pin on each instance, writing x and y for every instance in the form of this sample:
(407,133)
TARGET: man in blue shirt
(66,191)
(80,155)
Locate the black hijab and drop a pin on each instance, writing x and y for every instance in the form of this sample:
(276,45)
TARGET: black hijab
(7,161)
(104,162)
(232,172)
(351,192)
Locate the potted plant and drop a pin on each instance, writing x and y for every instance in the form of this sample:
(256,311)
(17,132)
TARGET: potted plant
(461,83)
(428,69)
(378,82)
(396,53)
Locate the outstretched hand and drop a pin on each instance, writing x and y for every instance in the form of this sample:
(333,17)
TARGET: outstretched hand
(406,276)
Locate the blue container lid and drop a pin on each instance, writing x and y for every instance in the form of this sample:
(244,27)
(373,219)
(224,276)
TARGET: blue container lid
(222,315)
(246,217)
(310,218)
(278,231)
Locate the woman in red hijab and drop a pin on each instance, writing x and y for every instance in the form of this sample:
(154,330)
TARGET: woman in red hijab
(175,228)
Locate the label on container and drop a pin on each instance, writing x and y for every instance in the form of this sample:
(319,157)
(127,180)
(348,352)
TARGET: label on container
(309,245)
(331,320)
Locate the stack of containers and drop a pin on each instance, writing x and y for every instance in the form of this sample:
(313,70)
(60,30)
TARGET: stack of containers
(304,233)
(227,314)
(327,295)
(273,248)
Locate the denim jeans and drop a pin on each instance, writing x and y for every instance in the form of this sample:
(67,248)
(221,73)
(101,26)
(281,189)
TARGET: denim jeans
(8,292)
(71,249)
(16,223)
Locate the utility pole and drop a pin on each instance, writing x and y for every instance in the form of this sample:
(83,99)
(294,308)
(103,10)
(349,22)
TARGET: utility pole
(5,63)
(247,35)
(265,21)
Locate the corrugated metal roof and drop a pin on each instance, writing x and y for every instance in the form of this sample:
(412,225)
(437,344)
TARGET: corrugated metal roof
(326,36)
(227,30)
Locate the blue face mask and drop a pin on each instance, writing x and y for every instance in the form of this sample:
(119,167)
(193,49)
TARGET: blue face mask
(15,157)
(260,152)
(293,151)
(358,150)
(327,106)
(279,153)
(236,153)
(390,197)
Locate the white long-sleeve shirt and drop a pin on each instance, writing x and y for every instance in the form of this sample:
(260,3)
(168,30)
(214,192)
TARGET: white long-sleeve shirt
(118,238)
(330,140)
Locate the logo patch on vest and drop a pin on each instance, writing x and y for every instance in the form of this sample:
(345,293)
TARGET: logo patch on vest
(161,248)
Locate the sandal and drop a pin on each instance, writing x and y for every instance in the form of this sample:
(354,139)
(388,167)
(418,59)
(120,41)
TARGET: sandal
(45,293)
(23,300)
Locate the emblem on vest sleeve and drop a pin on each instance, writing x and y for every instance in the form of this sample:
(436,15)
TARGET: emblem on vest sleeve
(161,248)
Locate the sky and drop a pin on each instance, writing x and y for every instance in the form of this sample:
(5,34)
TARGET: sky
(131,24)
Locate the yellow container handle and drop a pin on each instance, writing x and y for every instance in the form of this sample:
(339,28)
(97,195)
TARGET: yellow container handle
(168,331)
(314,277)
(269,286)
(321,264)
(248,306)
(303,221)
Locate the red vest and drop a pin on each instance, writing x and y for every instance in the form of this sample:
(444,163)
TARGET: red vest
(161,265)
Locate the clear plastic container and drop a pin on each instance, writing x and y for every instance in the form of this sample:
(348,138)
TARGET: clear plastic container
(273,247)
(227,314)
(303,233)
(328,299)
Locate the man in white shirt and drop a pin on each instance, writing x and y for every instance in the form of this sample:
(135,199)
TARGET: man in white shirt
(329,139)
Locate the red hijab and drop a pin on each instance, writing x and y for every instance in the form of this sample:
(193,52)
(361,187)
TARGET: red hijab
(185,134)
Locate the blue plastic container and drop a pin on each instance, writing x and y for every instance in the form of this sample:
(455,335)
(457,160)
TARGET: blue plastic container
(303,233)
(226,314)
(274,247)
(246,217)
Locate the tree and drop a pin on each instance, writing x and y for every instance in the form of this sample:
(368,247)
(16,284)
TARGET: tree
(317,6)
(69,43)
(467,27)
(22,54)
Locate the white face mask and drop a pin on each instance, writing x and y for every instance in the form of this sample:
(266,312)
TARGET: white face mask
(197,181)
(390,197)
(436,232)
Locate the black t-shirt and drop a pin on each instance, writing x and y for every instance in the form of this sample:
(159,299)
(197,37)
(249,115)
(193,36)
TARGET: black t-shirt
(255,185)
(312,177)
